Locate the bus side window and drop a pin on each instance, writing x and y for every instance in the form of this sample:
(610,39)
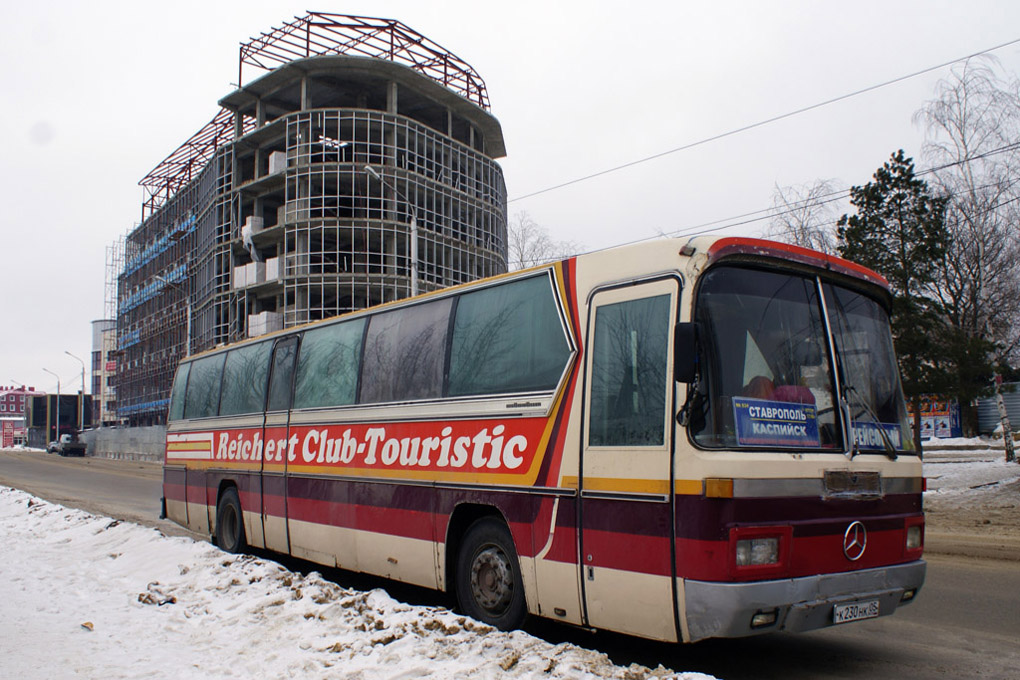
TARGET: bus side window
(405,352)
(507,338)
(203,394)
(629,373)
(327,370)
(177,395)
(244,379)
(283,371)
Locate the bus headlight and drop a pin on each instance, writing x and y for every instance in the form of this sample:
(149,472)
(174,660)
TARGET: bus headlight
(914,537)
(758,551)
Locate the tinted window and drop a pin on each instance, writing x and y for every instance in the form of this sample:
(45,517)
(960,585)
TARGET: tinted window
(766,367)
(507,338)
(405,352)
(244,379)
(204,387)
(871,379)
(628,374)
(327,372)
(283,371)
(177,395)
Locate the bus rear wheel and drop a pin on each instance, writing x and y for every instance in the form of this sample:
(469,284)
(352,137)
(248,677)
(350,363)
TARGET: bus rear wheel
(229,522)
(488,580)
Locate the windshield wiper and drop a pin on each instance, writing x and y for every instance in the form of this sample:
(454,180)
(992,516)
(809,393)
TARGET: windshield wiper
(890,450)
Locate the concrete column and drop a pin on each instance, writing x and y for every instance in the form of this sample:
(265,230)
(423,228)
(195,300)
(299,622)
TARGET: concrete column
(391,98)
(306,102)
(301,256)
(390,252)
(260,113)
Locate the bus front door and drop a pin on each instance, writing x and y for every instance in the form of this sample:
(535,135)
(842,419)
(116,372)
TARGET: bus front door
(276,436)
(625,483)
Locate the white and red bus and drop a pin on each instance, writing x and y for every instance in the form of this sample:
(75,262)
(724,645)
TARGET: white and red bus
(678,440)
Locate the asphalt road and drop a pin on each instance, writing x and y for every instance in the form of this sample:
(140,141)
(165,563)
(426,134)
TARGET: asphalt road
(127,490)
(964,624)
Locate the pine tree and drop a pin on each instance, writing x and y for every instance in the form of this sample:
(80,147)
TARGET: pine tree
(900,232)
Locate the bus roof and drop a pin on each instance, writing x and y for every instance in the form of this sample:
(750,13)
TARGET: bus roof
(727,246)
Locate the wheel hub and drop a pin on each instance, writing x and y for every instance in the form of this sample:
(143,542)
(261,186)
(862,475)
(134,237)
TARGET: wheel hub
(492,579)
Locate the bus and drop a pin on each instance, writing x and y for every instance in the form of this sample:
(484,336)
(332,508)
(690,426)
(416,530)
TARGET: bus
(678,440)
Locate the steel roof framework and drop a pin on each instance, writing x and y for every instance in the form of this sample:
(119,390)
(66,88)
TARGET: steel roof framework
(320,34)
(315,34)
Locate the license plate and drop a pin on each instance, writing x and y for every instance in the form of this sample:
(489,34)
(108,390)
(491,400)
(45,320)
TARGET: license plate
(855,611)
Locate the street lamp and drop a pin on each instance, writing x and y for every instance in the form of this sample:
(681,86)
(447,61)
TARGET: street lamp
(414,227)
(58,401)
(81,397)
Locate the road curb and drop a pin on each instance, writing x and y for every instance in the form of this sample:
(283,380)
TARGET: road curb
(972,545)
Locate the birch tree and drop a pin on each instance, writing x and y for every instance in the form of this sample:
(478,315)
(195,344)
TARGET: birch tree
(805,215)
(529,244)
(973,142)
(972,128)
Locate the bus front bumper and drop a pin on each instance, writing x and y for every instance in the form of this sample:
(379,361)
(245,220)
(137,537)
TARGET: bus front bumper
(730,609)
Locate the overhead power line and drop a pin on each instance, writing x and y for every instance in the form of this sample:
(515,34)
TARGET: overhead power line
(763,214)
(768,213)
(767,121)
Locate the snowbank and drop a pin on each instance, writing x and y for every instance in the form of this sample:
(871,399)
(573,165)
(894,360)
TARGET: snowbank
(970,465)
(87,596)
(21,448)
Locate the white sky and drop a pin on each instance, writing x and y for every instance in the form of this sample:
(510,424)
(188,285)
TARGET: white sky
(96,94)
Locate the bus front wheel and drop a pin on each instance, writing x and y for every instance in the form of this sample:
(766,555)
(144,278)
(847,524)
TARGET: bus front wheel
(489,586)
(229,522)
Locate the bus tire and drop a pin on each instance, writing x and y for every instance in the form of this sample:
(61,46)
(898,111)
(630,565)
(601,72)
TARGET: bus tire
(488,579)
(230,522)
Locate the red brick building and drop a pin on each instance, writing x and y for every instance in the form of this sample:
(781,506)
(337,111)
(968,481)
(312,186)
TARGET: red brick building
(12,413)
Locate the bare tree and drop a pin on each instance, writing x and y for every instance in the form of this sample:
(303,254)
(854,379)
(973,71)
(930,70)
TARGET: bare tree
(805,215)
(972,134)
(529,244)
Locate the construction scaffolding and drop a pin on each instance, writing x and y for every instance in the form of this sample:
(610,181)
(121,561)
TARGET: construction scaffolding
(320,188)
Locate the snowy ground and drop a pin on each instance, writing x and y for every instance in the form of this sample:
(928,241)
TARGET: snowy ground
(85,596)
(89,597)
(971,489)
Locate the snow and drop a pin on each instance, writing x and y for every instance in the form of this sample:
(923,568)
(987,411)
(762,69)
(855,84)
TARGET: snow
(956,468)
(87,596)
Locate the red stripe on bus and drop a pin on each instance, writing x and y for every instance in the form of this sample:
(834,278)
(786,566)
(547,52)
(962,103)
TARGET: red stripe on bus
(714,560)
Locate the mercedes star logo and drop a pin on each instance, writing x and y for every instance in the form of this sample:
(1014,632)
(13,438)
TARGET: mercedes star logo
(855,540)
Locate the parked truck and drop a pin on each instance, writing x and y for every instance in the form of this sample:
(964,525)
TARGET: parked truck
(67,445)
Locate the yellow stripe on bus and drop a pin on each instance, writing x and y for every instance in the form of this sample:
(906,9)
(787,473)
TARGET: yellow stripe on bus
(682,487)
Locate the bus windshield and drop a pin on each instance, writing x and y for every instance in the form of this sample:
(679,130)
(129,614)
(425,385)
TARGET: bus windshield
(871,379)
(768,377)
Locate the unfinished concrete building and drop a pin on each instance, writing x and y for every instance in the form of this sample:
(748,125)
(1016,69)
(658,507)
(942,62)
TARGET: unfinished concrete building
(358,168)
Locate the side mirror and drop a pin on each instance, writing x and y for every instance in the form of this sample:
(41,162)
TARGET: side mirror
(685,352)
